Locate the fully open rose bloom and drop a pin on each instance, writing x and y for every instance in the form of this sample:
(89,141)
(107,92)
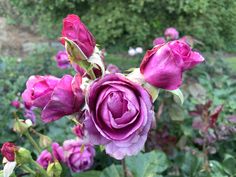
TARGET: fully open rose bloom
(164,64)
(171,33)
(56,97)
(78,158)
(120,115)
(62,60)
(76,31)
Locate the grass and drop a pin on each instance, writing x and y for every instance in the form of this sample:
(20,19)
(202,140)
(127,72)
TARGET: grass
(232,62)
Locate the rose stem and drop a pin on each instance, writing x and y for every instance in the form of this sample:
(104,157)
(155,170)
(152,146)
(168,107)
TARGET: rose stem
(27,169)
(124,167)
(32,141)
(41,170)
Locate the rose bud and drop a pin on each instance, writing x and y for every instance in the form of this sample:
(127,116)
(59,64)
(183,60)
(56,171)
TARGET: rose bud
(113,69)
(171,33)
(29,114)
(76,31)
(44,159)
(16,104)
(119,115)
(58,152)
(163,66)
(8,151)
(158,41)
(62,60)
(78,130)
(78,156)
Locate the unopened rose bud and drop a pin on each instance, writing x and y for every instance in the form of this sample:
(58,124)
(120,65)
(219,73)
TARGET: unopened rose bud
(23,156)
(44,141)
(54,169)
(8,151)
(78,130)
(20,126)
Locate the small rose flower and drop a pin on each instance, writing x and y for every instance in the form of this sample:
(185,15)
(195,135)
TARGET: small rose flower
(113,69)
(139,50)
(163,66)
(58,152)
(78,130)
(76,31)
(62,60)
(158,41)
(171,33)
(16,104)
(132,51)
(29,114)
(8,151)
(78,156)
(119,116)
(44,159)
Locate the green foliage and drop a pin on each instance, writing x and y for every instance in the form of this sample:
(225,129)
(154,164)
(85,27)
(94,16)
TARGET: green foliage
(134,22)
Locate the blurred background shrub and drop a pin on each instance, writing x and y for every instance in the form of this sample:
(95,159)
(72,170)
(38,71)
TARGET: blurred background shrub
(132,22)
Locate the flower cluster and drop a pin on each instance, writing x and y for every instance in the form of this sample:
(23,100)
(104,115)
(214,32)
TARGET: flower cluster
(114,109)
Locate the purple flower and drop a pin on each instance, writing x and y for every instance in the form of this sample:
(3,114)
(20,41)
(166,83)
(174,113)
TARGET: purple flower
(78,156)
(16,104)
(171,33)
(120,115)
(62,60)
(44,159)
(158,41)
(56,97)
(164,64)
(29,114)
(58,152)
(78,130)
(113,69)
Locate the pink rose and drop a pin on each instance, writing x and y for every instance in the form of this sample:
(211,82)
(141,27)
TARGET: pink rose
(113,69)
(119,116)
(16,104)
(44,159)
(62,60)
(76,31)
(58,152)
(78,130)
(8,151)
(164,64)
(78,158)
(158,41)
(171,33)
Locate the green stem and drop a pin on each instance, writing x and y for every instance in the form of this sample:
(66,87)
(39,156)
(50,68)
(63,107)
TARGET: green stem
(27,169)
(41,170)
(124,167)
(33,142)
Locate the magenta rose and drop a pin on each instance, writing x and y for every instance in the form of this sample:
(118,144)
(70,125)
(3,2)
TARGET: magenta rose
(66,98)
(29,114)
(119,116)
(62,60)
(16,104)
(44,159)
(58,152)
(158,41)
(78,130)
(78,158)
(76,31)
(113,69)
(163,66)
(171,33)
(8,151)
(38,90)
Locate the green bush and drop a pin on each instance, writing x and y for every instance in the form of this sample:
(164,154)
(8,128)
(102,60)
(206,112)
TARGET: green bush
(135,22)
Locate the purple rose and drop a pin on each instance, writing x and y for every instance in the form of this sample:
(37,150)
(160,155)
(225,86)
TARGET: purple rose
(62,60)
(67,98)
(113,69)
(78,156)
(58,152)
(158,41)
(119,116)
(76,31)
(16,104)
(164,64)
(29,114)
(171,33)
(78,130)
(44,159)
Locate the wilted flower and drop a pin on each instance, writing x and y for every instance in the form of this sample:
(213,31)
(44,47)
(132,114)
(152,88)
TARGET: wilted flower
(75,30)
(113,69)
(120,115)
(131,51)
(78,156)
(171,33)
(62,60)
(139,50)
(8,151)
(163,66)
(16,104)
(44,159)
(158,41)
